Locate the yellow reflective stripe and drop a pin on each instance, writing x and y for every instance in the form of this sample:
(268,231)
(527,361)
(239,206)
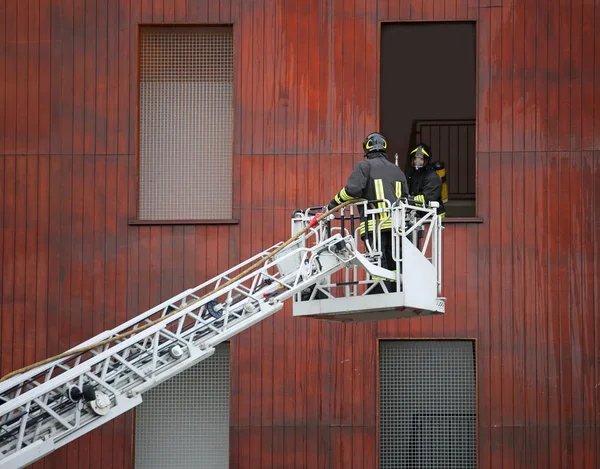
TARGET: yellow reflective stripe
(386,224)
(384,278)
(343,196)
(398,189)
(379,194)
(337,198)
(370,226)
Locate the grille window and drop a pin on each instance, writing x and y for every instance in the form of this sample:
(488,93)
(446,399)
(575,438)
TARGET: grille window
(183,423)
(186,123)
(427,404)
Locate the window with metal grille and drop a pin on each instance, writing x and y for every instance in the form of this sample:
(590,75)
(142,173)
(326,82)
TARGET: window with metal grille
(183,423)
(186,123)
(427,404)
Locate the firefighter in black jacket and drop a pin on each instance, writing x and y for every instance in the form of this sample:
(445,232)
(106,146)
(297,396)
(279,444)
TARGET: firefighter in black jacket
(424,184)
(375,178)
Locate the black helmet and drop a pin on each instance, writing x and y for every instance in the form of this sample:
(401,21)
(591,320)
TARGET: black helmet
(423,150)
(374,142)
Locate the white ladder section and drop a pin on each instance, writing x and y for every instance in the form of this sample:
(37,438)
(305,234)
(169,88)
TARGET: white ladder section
(53,404)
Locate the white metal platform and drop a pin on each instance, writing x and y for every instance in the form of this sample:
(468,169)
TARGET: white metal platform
(346,297)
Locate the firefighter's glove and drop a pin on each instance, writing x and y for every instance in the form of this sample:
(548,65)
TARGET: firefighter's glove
(420,200)
(331,205)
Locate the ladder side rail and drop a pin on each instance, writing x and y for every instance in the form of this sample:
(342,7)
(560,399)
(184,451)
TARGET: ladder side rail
(119,346)
(232,332)
(150,332)
(62,364)
(165,307)
(135,321)
(6,385)
(25,382)
(87,367)
(73,373)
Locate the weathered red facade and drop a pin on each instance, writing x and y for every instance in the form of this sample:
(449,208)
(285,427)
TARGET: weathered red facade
(524,282)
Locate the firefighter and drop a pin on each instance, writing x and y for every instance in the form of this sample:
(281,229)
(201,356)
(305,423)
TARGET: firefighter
(375,178)
(424,182)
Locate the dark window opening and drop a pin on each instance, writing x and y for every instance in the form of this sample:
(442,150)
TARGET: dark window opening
(428,94)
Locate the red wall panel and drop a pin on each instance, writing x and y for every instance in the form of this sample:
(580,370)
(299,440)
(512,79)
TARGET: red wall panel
(524,282)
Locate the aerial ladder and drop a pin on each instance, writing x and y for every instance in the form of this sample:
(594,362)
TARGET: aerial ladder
(326,270)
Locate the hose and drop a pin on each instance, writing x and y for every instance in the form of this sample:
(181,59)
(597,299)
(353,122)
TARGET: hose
(150,324)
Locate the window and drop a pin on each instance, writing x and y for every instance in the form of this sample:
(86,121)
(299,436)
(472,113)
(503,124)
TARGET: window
(427,404)
(186,123)
(428,94)
(184,422)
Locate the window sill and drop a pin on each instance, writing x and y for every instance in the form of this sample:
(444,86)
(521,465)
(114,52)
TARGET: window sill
(183,222)
(445,221)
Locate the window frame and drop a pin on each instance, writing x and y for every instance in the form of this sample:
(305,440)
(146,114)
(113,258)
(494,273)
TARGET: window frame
(447,220)
(136,220)
(379,341)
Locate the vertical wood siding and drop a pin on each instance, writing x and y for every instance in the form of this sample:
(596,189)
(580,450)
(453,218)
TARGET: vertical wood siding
(525,283)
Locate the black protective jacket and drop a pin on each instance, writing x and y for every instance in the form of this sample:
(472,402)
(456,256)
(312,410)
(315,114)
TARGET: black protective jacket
(425,185)
(371,179)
